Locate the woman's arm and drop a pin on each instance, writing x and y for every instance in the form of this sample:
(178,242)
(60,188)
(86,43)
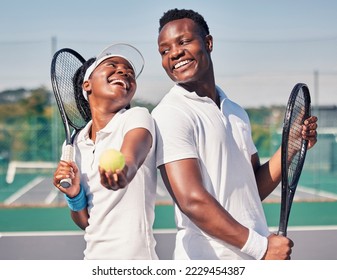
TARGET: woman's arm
(135,148)
(70,170)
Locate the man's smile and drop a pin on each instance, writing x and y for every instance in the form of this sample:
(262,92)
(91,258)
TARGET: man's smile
(181,63)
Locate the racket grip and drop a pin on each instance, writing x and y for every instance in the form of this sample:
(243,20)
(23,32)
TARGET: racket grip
(283,233)
(68,155)
(65,183)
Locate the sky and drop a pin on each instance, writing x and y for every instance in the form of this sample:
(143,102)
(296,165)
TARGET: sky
(262,48)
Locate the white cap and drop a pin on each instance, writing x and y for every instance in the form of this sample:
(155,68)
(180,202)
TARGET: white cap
(126,51)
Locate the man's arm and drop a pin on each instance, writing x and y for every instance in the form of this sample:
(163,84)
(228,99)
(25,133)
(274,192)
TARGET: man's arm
(184,182)
(268,175)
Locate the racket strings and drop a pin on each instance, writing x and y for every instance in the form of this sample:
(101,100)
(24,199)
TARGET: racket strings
(65,67)
(294,148)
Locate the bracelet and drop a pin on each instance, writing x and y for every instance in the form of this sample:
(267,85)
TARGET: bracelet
(78,202)
(256,245)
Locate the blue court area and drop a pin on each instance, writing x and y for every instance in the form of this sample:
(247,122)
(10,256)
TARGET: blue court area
(32,195)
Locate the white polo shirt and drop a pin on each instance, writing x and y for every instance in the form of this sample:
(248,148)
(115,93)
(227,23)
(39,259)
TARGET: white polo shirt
(190,126)
(120,223)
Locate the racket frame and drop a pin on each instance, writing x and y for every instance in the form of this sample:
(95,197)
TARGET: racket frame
(67,123)
(288,190)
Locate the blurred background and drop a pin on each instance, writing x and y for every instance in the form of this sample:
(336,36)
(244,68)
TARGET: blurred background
(261,50)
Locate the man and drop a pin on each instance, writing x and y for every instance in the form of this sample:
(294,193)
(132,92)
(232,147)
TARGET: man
(206,154)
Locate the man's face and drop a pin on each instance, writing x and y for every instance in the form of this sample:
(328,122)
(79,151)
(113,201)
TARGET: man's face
(185,51)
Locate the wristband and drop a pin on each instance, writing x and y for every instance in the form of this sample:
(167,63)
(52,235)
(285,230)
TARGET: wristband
(256,245)
(78,202)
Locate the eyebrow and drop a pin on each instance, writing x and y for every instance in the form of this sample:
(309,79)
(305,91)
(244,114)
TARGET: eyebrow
(119,60)
(177,38)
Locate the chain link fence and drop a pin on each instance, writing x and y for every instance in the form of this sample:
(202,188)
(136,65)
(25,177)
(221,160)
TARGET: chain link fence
(30,147)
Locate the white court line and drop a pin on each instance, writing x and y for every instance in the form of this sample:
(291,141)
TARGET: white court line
(271,229)
(156,231)
(23,190)
(69,233)
(51,196)
(305,228)
(164,231)
(41,233)
(311,191)
(318,192)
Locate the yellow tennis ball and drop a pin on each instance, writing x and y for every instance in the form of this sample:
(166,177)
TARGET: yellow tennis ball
(111,160)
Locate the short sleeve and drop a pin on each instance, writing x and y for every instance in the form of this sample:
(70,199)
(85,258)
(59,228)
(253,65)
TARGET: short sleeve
(175,135)
(139,117)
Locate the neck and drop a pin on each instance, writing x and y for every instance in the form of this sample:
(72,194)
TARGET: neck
(99,121)
(203,89)
(203,85)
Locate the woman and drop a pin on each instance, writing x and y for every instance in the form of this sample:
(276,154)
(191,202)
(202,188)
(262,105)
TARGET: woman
(116,210)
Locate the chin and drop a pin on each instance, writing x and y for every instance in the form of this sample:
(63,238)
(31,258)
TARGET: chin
(186,81)
(184,78)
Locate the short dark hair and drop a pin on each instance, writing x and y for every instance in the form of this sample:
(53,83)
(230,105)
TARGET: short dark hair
(175,14)
(81,102)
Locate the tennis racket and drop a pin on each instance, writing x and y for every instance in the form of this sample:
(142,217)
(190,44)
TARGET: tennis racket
(294,149)
(65,63)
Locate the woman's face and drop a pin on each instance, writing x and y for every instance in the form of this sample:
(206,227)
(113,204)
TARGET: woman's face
(113,81)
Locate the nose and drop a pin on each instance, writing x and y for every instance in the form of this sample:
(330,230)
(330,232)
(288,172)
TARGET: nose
(176,52)
(121,70)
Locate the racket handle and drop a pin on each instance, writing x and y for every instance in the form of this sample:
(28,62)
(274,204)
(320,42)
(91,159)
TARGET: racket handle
(68,155)
(65,183)
(283,233)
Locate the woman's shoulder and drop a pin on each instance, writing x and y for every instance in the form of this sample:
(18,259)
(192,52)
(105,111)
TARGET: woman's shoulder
(137,110)
(138,114)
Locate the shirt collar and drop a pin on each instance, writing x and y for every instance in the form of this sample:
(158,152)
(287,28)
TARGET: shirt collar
(193,95)
(190,94)
(108,127)
(221,94)
(84,134)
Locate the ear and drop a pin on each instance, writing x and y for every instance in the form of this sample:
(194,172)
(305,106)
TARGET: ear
(86,86)
(209,43)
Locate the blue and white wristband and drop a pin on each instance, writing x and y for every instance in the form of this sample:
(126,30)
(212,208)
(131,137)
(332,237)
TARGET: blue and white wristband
(77,203)
(256,245)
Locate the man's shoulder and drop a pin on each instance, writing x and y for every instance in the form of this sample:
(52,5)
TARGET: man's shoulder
(170,100)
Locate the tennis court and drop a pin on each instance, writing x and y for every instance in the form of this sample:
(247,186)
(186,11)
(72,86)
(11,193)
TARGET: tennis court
(35,223)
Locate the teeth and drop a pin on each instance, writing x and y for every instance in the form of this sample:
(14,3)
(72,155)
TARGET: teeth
(181,63)
(118,81)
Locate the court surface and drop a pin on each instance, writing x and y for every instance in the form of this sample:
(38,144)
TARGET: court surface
(35,224)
